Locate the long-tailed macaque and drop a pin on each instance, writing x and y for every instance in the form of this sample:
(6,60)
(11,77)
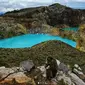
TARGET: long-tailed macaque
(51,68)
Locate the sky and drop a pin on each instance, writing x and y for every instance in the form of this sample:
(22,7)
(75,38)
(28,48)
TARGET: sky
(9,5)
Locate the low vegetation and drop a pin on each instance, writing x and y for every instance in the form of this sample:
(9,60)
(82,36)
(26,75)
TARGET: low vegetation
(38,53)
(10,28)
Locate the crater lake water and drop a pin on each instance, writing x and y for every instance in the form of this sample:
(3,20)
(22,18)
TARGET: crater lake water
(30,40)
(71,29)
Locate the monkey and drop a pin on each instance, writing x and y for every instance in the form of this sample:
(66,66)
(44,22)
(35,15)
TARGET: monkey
(51,68)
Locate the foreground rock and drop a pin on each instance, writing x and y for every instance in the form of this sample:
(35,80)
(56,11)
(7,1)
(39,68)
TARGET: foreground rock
(10,76)
(27,65)
(63,76)
(20,76)
(67,57)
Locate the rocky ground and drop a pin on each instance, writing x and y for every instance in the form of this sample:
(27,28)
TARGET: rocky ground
(25,75)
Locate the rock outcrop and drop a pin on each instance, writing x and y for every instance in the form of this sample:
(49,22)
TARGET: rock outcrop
(46,19)
(53,15)
(12,76)
(17,76)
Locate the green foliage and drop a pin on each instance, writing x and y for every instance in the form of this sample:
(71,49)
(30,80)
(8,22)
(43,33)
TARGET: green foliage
(61,82)
(59,5)
(10,29)
(82,27)
(22,28)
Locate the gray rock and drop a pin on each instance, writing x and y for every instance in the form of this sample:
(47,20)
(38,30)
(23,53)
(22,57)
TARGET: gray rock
(27,65)
(65,77)
(76,79)
(63,67)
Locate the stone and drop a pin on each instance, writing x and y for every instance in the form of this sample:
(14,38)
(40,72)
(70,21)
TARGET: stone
(66,78)
(5,71)
(77,66)
(76,79)
(58,62)
(77,71)
(43,70)
(63,67)
(3,67)
(27,65)
(19,77)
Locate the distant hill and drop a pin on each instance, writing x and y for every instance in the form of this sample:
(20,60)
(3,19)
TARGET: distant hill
(53,15)
(44,19)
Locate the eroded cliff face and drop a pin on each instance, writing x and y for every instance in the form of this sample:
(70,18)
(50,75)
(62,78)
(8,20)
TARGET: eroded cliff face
(52,15)
(65,15)
(10,28)
(46,19)
(40,20)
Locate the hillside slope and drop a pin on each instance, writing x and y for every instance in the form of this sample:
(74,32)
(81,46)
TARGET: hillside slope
(38,53)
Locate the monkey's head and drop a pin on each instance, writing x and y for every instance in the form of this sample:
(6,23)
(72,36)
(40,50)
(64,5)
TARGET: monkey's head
(49,59)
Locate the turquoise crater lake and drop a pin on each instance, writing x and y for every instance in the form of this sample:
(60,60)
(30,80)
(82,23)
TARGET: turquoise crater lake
(30,40)
(74,29)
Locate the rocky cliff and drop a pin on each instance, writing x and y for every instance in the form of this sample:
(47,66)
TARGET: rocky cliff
(53,15)
(46,19)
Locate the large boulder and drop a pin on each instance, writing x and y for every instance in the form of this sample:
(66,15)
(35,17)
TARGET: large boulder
(27,65)
(8,75)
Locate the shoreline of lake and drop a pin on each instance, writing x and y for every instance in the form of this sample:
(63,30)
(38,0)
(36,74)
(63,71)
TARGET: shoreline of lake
(31,40)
